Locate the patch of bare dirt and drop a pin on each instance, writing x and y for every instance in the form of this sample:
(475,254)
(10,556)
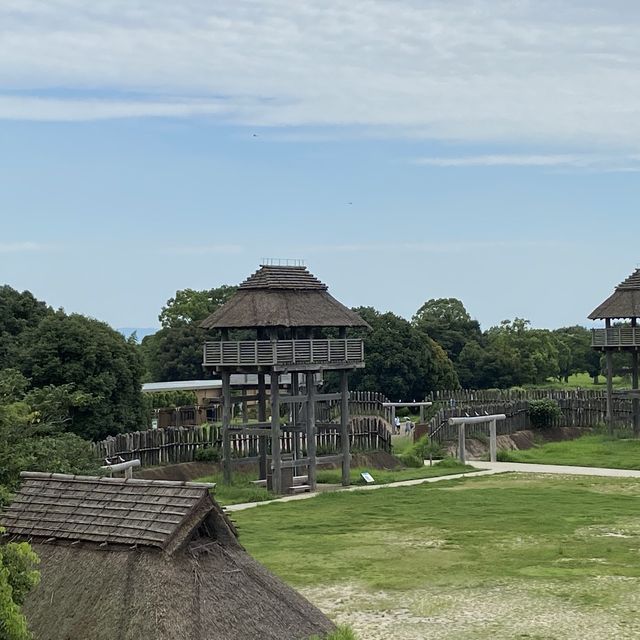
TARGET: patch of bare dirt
(500,611)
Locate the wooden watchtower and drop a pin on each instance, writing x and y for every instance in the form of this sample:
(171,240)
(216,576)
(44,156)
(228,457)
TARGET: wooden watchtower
(624,306)
(287,312)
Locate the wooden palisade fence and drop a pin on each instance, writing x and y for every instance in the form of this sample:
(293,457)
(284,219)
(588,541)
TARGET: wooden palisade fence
(180,444)
(579,408)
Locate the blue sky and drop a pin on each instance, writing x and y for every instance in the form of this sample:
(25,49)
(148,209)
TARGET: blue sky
(406,150)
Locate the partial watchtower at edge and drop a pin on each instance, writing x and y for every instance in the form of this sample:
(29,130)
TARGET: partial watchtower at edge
(623,305)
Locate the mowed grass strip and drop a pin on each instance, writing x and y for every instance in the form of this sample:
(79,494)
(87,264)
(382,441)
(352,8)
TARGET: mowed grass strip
(588,451)
(241,489)
(457,534)
(449,466)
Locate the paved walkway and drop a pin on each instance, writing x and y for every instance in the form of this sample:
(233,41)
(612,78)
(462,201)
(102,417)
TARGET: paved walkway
(486,469)
(402,483)
(554,468)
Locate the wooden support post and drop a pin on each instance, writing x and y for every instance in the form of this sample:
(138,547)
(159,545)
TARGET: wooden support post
(245,410)
(493,455)
(609,359)
(461,443)
(421,414)
(311,430)
(226,423)
(635,403)
(344,429)
(293,408)
(276,468)
(262,417)
(393,419)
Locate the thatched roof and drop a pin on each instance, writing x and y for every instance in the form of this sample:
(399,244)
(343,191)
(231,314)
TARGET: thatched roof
(282,296)
(146,560)
(624,302)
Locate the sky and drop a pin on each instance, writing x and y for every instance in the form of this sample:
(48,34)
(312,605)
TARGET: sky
(404,149)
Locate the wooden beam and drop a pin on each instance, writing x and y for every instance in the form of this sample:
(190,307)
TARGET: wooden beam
(276,459)
(344,428)
(262,416)
(226,421)
(311,430)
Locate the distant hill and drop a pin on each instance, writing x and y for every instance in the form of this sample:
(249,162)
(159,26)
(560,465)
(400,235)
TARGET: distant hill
(141,332)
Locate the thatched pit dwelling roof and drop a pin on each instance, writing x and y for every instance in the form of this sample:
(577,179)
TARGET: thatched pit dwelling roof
(624,302)
(146,560)
(282,296)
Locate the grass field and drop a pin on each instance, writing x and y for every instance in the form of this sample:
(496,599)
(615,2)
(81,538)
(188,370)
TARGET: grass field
(512,556)
(241,489)
(582,381)
(588,451)
(448,466)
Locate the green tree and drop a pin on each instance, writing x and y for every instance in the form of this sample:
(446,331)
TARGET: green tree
(446,321)
(402,362)
(104,368)
(32,436)
(189,306)
(18,575)
(18,312)
(534,350)
(576,354)
(175,352)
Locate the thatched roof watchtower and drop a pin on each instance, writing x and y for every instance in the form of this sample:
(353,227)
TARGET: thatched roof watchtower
(622,305)
(287,307)
(146,560)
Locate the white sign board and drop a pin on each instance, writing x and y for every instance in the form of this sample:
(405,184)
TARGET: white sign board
(366,476)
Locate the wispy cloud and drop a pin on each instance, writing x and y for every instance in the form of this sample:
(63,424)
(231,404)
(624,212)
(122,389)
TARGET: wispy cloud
(469,70)
(429,247)
(203,249)
(22,247)
(609,163)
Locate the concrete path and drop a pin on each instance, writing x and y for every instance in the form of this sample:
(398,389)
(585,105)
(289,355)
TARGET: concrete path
(402,483)
(554,468)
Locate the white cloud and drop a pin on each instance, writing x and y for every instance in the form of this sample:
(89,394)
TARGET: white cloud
(610,163)
(203,249)
(428,247)
(533,70)
(22,247)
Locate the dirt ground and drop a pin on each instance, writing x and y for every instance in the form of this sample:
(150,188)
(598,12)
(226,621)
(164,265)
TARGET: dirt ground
(543,611)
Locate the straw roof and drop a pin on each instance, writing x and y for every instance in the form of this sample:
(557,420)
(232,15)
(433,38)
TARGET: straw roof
(624,302)
(282,296)
(146,560)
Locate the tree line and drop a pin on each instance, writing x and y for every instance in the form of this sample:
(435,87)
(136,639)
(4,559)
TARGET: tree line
(441,347)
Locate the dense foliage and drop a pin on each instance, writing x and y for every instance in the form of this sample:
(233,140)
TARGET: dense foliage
(175,352)
(32,437)
(53,349)
(402,362)
(18,575)
(543,412)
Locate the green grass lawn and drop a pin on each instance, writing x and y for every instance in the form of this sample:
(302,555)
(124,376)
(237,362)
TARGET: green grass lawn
(582,381)
(511,556)
(241,490)
(448,466)
(588,451)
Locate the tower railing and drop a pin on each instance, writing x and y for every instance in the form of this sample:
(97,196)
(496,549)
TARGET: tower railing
(616,337)
(283,352)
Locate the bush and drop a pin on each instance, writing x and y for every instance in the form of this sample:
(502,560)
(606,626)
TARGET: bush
(412,459)
(419,451)
(209,454)
(542,413)
(504,455)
